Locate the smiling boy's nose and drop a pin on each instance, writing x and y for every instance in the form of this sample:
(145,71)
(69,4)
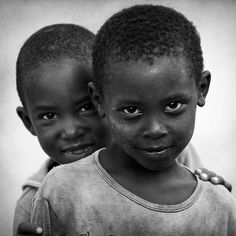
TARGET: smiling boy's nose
(154,129)
(72,129)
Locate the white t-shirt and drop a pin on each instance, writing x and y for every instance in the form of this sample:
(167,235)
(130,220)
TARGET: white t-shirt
(81,198)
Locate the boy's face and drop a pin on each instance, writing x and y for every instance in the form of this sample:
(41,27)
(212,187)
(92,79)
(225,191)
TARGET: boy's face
(150,110)
(60,112)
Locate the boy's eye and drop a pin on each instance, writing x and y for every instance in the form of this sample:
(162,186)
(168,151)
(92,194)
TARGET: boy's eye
(173,106)
(132,111)
(87,107)
(49,116)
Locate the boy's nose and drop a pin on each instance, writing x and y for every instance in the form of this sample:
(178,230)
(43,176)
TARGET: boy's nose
(154,129)
(72,129)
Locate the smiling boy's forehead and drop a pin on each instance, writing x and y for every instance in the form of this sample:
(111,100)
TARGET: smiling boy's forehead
(65,77)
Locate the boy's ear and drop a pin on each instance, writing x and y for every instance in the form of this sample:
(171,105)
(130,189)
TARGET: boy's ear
(22,113)
(96,99)
(203,87)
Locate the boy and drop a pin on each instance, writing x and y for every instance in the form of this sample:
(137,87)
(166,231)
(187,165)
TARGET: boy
(148,80)
(53,70)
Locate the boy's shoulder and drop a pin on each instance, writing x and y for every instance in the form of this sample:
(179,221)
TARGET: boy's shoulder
(35,180)
(218,195)
(63,177)
(32,183)
(77,168)
(219,203)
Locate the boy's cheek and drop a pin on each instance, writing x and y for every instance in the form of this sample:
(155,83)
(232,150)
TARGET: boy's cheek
(123,133)
(47,139)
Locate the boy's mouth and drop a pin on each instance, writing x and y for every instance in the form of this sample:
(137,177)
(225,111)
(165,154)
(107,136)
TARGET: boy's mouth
(155,150)
(79,149)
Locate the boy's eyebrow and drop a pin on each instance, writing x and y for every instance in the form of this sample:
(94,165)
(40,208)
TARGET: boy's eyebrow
(178,95)
(48,107)
(43,108)
(135,100)
(83,99)
(128,102)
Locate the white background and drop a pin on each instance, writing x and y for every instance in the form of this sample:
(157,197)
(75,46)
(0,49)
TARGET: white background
(215,132)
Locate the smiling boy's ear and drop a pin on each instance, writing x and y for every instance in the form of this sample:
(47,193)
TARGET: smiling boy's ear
(96,99)
(203,87)
(22,113)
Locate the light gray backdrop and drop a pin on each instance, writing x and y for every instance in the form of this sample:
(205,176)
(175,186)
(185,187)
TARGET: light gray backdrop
(215,133)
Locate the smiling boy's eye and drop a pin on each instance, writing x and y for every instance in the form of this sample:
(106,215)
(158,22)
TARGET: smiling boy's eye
(49,116)
(173,106)
(87,108)
(132,111)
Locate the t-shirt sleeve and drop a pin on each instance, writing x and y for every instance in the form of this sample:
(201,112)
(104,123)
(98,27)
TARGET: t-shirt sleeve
(23,207)
(44,215)
(190,158)
(20,216)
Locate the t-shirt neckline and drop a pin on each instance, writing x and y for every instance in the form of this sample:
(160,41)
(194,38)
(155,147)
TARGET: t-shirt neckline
(150,205)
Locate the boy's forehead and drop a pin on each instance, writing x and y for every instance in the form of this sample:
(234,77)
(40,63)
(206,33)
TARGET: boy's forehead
(58,73)
(157,65)
(63,66)
(163,72)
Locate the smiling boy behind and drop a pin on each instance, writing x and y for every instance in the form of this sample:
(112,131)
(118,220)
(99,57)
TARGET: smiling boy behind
(53,70)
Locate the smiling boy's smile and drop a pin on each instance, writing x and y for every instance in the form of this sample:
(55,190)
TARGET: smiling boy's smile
(78,150)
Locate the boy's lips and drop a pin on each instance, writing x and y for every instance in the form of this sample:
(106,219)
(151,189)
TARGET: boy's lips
(155,150)
(79,149)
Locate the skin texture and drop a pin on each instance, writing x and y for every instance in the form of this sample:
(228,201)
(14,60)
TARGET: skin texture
(150,110)
(60,112)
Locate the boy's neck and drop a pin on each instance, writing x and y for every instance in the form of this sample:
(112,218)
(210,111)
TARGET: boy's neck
(171,185)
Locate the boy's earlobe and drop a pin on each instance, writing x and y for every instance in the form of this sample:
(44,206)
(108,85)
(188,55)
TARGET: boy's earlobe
(96,99)
(203,87)
(22,113)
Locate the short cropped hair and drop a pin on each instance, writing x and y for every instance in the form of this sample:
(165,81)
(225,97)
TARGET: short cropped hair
(51,43)
(144,32)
